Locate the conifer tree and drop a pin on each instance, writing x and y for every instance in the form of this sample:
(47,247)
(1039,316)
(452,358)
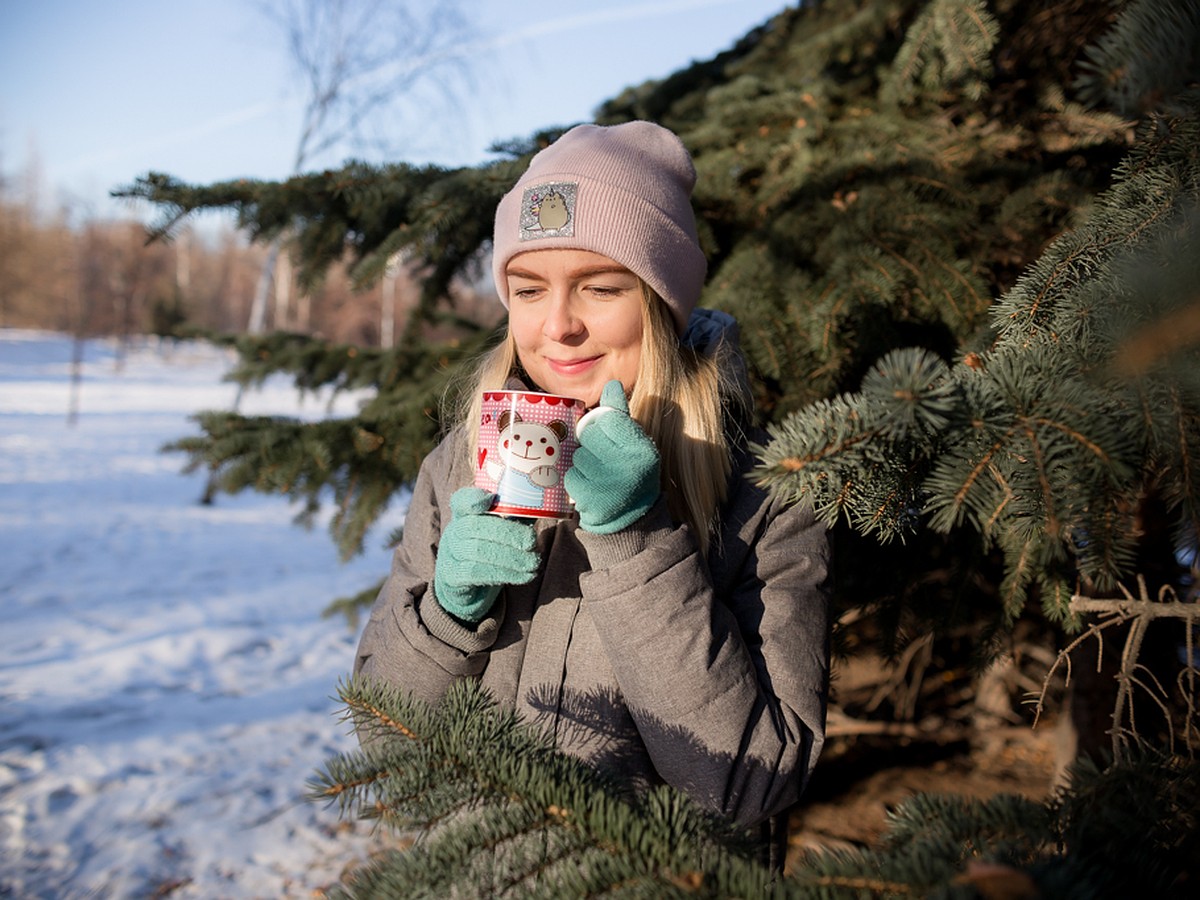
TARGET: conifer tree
(960,237)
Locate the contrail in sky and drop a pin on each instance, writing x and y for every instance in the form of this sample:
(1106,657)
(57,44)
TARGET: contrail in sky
(174,138)
(507,38)
(603,16)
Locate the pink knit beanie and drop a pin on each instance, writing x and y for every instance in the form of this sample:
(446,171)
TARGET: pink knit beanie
(622,191)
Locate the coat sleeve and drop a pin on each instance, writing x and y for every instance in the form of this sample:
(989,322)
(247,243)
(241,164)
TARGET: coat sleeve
(727,684)
(409,640)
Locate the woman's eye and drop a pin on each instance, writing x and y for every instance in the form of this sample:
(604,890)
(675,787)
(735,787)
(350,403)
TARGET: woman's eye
(603,290)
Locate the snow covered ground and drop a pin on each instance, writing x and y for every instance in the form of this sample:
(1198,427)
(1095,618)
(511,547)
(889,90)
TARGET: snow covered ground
(165,674)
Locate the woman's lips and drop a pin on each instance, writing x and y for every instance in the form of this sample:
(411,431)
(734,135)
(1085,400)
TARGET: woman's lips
(571,366)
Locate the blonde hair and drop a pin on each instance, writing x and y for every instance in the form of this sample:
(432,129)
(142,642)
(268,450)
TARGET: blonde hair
(678,399)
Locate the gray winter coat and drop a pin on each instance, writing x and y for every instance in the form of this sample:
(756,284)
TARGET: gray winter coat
(641,657)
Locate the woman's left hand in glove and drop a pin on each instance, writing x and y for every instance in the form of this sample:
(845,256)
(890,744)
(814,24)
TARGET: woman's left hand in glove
(614,475)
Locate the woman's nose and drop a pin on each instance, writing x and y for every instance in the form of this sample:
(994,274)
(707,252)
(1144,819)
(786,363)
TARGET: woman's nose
(561,319)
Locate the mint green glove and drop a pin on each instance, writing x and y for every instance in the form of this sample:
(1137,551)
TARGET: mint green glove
(479,554)
(613,477)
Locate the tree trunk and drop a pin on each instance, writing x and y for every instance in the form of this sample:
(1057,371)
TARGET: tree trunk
(258,308)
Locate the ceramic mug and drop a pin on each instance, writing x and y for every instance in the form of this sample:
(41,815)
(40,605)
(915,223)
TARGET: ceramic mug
(526,441)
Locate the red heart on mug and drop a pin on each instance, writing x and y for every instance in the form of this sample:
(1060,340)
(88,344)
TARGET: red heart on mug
(482,456)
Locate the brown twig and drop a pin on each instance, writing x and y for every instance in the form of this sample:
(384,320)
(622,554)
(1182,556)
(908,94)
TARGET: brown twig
(1141,611)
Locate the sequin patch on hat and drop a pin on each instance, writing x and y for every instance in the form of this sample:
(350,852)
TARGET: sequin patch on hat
(548,210)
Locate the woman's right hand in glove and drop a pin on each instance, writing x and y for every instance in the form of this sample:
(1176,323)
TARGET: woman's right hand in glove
(479,554)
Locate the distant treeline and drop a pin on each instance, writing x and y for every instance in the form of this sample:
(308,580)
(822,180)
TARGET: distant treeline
(105,278)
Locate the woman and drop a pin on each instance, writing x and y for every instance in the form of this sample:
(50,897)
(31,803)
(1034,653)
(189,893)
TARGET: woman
(675,631)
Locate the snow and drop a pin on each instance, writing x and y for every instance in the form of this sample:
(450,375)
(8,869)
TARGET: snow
(166,678)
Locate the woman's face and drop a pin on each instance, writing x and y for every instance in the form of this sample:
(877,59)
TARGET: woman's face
(576,317)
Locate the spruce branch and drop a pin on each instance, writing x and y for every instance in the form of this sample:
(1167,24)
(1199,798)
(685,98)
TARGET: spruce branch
(506,809)
(1149,56)
(358,464)
(1036,444)
(509,816)
(948,47)
(441,216)
(351,608)
(832,453)
(1106,833)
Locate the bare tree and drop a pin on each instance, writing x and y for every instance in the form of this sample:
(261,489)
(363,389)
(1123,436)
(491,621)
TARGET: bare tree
(366,67)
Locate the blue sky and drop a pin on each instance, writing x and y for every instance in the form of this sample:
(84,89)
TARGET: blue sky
(94,94)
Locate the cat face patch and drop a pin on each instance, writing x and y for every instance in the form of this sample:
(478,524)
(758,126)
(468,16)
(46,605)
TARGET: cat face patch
(548,210)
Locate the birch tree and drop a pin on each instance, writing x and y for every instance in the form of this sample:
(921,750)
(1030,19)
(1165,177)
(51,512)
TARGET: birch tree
(372,73)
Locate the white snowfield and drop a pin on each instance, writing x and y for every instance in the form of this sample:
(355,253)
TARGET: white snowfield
(166,678)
